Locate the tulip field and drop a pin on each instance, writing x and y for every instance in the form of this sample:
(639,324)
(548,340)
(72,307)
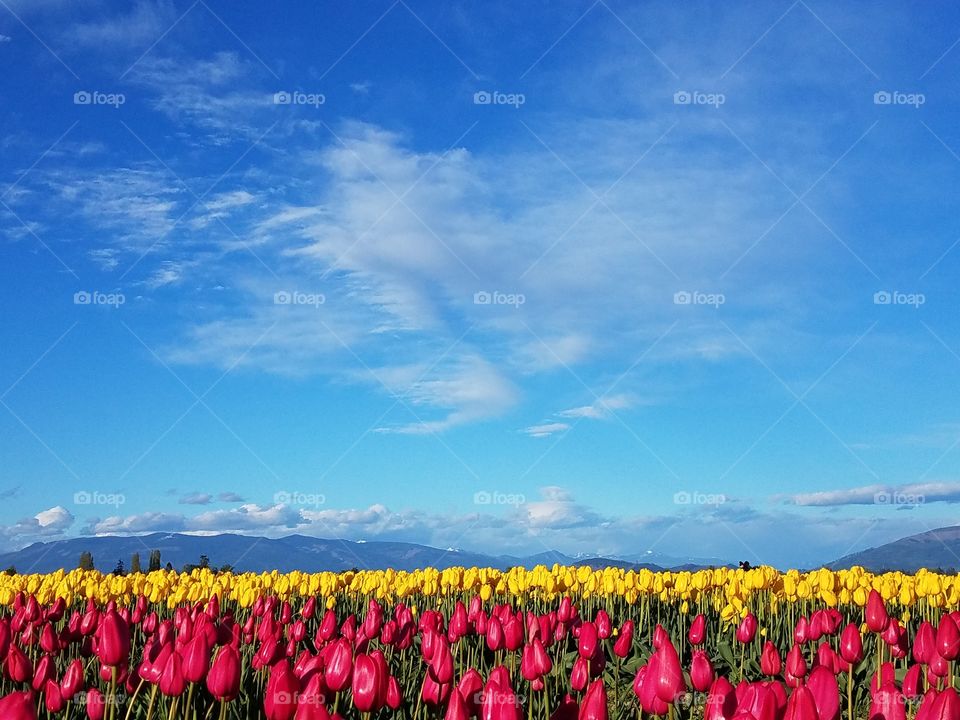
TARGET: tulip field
(547,644)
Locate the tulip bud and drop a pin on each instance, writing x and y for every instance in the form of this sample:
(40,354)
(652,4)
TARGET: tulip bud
(747,628)
(701,671)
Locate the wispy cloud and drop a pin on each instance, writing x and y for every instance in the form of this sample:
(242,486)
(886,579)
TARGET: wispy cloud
(907,494)
(546,429)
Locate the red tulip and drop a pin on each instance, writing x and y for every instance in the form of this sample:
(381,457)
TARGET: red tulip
(280,695)
(494,634)
(924,644)
(196,658)
(877,617)
(441,662)
(698,630)
(18,706)
(223,680)
(394,696)
(369,684)
(823,687)
(721,701)
(96,706)
(72,679)
(759,701)
(49,642)
(499,700)
(770,662)
(587,642)
(948,638)
(747,628)
(913,682)
(801,705)
(851,644)
(594,705)
(470,687)
(18,666)
(887,704)
(432,692)
(945,705)
(172,681)
(339,665)
(53,698)
(580,674)
(701,671)
(796,665)
(624,643)
(513,633)
(46,670)
(669,676)
(800,631)
(113,646)
(457,708)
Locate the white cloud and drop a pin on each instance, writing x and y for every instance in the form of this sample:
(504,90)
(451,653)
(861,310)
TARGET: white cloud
(546,429)
(56,518)
(896,495)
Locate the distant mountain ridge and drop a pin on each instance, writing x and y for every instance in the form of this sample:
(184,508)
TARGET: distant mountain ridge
(935,549)
(293,552)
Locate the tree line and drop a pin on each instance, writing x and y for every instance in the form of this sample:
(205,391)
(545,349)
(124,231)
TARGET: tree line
(154,564)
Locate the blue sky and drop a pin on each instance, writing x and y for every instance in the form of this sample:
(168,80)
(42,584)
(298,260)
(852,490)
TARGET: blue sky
(599,277)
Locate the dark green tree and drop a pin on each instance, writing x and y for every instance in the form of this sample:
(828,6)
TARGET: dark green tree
(154,561)
(86,561)
(204,562)
(135,563)
(118,570)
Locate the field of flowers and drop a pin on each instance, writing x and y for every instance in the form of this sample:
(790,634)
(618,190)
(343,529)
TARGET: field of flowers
(550,643)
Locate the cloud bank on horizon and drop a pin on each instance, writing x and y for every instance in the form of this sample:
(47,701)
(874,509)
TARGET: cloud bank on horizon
(633,281)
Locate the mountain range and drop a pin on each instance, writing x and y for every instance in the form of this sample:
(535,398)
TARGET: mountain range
(936,549)
(296,552)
